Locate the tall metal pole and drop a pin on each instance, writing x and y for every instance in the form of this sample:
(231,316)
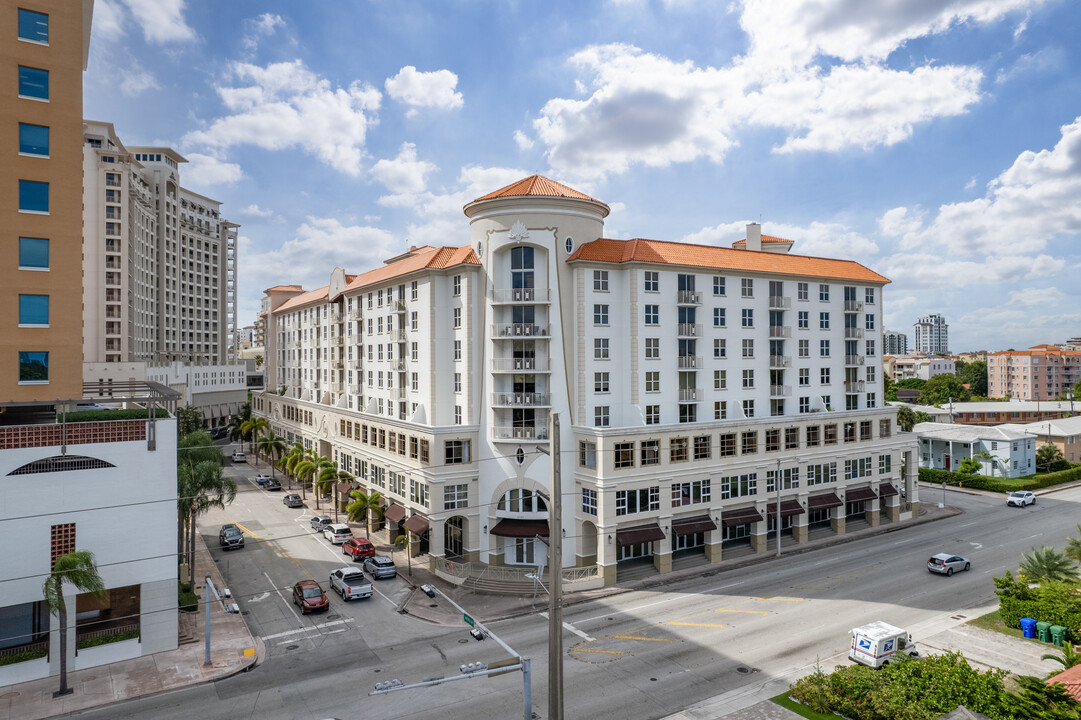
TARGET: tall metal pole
(527,689)
(207,588)
(555,570)
(778,484)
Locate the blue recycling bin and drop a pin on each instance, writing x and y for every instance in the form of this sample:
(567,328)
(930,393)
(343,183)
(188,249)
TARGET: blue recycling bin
(1028,627)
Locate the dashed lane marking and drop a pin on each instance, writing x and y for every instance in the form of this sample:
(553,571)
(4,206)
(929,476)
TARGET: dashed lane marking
(747,612)
(781,599)
(690,624)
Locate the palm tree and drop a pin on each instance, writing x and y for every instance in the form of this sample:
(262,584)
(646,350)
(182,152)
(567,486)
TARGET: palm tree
(309,469)
(1047,564)
(200,487)
(234,426)
(253,428)
(365,506)
(326,479)
(1068,657)
(1073,547)
(273,447)
(79,569)
(404,541)
(289,460)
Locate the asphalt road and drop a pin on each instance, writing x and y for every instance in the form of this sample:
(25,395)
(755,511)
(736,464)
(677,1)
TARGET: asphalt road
(642,654)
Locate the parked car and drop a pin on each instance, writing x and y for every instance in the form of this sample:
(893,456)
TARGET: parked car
(380,567)
(272,485)
(309,596)
(320,522)
(262,478)
(292,500)
(337,533)
(230,536)
(1020,498)
(946,564)
(239,456)
(358,548)
(217,433)
(350,583)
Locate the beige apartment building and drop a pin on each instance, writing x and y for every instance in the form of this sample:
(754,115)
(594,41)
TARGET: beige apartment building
(1043,372)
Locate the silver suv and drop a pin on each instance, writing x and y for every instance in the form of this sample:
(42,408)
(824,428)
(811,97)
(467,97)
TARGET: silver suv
(230,536)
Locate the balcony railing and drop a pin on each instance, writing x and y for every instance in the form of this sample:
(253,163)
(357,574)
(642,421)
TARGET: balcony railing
(780,390)
(512,330)
(400,393)
(854,387)
(687,362)
(398,365)
(688,395)
(399,306)
(853,359)
(521,399)
(690,330)
(400,334)
(780,302)
(354,314)
(688,297)
(337,387)
(532,364)
(780,331)
(536,433)
(780,361)
(851,332)
(521,295)
(853,305)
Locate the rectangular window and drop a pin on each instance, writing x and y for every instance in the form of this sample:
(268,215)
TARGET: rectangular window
(824,348)
(801,291)
(885,464)
(600,382)
(720,410)
(830,434)
(720,379)
(702,447)
(412,290)
(804,348)
(803,319)
(623,453)
(719,350)
(33,83)
(804,377)
(650,452)
(872,401)
(629,502)
(869,296)
(457,415)
(811,432)
(600,416)
(653,381)
(653,281)
(600,314)
(748,408)
(456,286)
(748,348)
(726,447)
(33,311)
(746,287)
(33,253)
(34,140)
(824,293)
(718,285)
(457,349)
(600,348)
(457,317)
(748,317)
(587,454)
(653,414)
(823,321)
(589,501)
(457,382)
(33,196)
(690,493)
(653,314)
(455,451)
(33,26)
(748,443)
(791,438)
(600,280)
(413,320)
(824,376)
(804,404)
(870,348)
(653,348)
(748,378)
(869,321)
(33,367)
(455,496)
(718,317)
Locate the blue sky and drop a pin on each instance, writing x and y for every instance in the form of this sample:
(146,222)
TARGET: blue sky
(938,142)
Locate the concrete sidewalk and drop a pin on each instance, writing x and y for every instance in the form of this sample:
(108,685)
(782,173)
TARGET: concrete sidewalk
(233,650)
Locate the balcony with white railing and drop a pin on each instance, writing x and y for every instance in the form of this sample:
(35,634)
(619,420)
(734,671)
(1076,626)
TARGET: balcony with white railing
(688,362)
(688,297)
(780,361)
(398,364)
(853,359)
(688,395)
(854,387)
(780,331)
(528,433)
(399,306)
(518,330)
(779,302)
(509,296)
(853,332)
(337,387)
(519,365)
(521,399)
(689,330)
(399,334)
(780,390)
(853,306)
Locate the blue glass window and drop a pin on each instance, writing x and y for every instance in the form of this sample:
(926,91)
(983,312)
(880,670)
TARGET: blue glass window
(33,82)
(34,139)
(33,309)
(33,252)
(33,26)
(33,366)
(33,196)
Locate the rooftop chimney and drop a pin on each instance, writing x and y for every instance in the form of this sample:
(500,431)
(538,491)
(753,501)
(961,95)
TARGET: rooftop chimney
(754,236)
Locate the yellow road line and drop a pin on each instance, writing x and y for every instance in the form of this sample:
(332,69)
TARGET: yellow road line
(606,652)
(248,532)
(780,599)
(748,612)
(694,624)
(279,547)
(635,637)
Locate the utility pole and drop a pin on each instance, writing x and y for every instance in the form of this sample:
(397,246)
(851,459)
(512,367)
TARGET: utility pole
(555,570)
(778,521)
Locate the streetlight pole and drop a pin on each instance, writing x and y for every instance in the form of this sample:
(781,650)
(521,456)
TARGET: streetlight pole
(555,581)
(778,521)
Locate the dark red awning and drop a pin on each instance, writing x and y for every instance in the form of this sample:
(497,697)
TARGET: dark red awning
(510,527)
(692,525)
(788,508)
(860,493)
(396,513)
(740,516)
(823,502)
(886,489)
(417,524)
(640,534)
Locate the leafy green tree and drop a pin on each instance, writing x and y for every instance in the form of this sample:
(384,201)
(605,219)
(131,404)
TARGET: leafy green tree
(258,361)
(1049,459)
(201,486)
(1073,547)
(969,466)
(198,447)
(906,418)
(308,470)
(1037,700)
(295,455)
(1046,564)
(912,383)
(272,446)
(973,374)
(79,569)
(889,388)
(235,427)
(364,508)
(188,420)
(922,417)
(254,428)
(993,459)
(941,388)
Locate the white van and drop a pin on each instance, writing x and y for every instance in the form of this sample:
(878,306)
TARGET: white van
(337,533)
(877,644)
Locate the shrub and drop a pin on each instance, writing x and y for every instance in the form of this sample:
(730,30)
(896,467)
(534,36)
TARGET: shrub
(107,639)
(1055,602)
(981,482)
(23,656)
(188,601)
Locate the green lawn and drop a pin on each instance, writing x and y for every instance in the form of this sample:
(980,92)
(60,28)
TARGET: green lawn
(784,701)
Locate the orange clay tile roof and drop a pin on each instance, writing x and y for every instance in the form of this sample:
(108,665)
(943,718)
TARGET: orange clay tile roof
(285,288)
(303,299)
(765,239)
(710,256)
(537,186)
(427,257)
(1071,678)
(1039,350)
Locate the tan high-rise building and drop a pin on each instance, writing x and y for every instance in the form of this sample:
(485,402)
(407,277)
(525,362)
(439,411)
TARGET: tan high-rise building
(43,55)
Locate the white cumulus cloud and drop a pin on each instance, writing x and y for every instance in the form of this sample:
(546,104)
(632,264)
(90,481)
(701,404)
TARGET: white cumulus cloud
(819,239)
(162,21)
(209,170)
(425,89)
(403,174)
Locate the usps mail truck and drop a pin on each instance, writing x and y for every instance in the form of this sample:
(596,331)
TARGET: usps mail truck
(878,643)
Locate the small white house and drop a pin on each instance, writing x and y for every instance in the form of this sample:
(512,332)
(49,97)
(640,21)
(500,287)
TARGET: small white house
(1001,451)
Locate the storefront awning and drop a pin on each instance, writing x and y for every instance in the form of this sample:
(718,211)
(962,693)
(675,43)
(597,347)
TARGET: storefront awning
(886,489)
(511,527)
(860,493)
(823,502)
(417,524)
(692,525)
(740,516)
(640,534)
(394,512)
(344,489)
(788,508)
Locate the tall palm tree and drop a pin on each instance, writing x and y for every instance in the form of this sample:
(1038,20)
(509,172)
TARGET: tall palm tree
(77,568)
(365,506)
(273,447)
(308,471)
(234,426)
(1073,547)
(292,458)
(404,541)
(253,428)
(1047,564)
(200,487)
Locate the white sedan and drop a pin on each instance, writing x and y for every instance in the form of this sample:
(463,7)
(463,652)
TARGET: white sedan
(1020,498)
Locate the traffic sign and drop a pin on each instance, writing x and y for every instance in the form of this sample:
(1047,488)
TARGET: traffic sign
(468,620)
(504,663)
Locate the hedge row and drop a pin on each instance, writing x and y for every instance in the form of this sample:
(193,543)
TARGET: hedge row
(981,482)
(23,656)
(1055,602)
(100,415)
(107,639)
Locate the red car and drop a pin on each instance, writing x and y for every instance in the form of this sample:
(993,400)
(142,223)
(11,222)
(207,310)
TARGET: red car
(309,596)
(358,548)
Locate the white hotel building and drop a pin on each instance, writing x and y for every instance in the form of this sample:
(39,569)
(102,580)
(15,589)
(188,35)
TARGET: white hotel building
(690,382)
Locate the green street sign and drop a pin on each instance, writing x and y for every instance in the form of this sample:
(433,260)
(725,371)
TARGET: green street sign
(468,620)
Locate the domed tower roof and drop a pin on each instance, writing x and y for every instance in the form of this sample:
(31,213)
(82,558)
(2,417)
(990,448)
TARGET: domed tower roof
(536,186)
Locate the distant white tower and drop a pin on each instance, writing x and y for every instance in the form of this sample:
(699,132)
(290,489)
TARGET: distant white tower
(932,335)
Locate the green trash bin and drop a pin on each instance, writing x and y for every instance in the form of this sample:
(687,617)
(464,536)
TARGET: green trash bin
(1043,631)
(1058,634)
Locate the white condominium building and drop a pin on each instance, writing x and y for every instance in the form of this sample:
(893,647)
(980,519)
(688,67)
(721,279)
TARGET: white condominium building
(931,336)
(695,386)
